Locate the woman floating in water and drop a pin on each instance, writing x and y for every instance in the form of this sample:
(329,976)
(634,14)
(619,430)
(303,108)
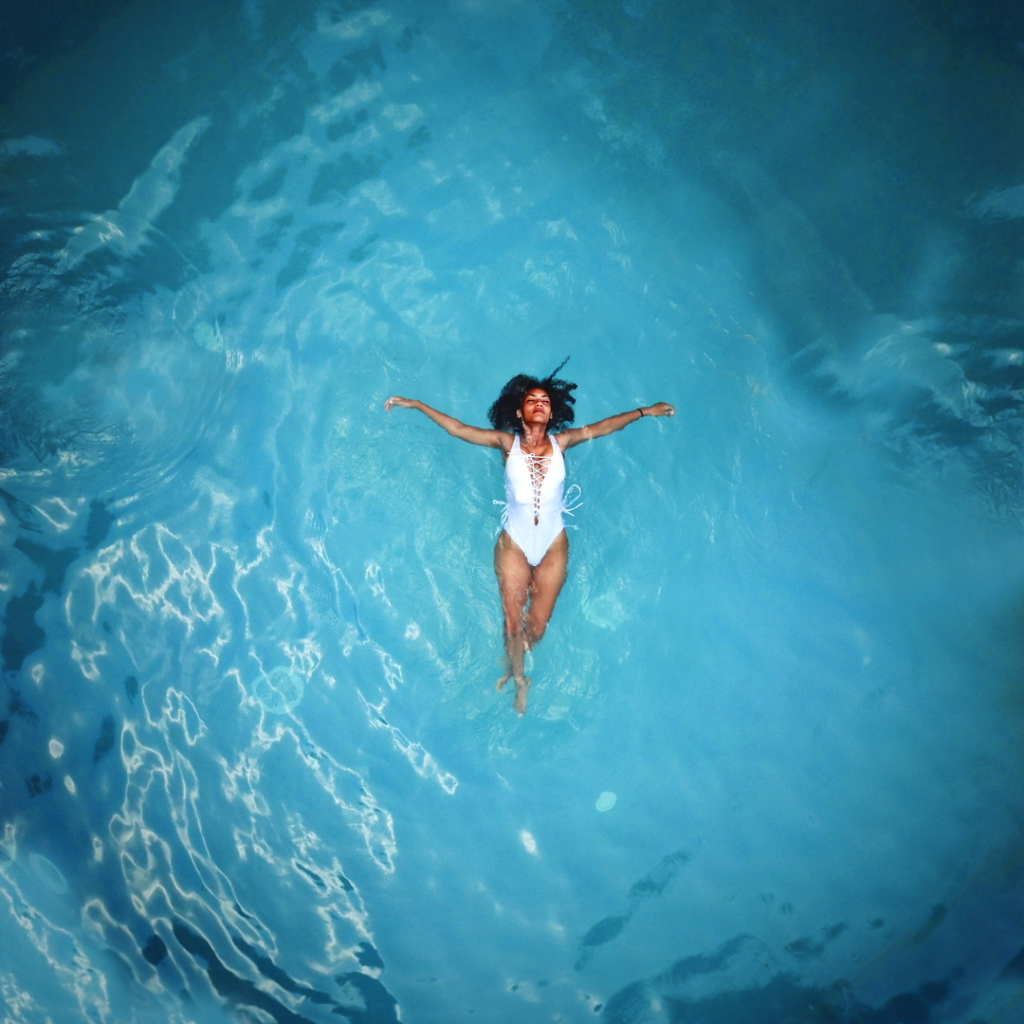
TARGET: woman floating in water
(532,551)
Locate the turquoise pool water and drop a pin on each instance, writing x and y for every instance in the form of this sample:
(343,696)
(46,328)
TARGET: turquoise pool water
(252,763)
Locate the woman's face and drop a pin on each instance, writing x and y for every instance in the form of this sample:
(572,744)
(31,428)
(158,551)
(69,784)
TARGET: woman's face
(536,407)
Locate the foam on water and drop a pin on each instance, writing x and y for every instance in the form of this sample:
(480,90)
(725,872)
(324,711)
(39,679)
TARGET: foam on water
(48,873)
(278,691)
(252,756)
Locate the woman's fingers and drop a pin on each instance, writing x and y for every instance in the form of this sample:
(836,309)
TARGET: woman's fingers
(662,409)
(393,401)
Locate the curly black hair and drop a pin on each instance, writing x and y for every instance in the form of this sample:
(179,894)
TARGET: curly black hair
(503,413)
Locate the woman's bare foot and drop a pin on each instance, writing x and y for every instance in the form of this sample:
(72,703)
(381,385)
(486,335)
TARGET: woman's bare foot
(502,681)
(522,685)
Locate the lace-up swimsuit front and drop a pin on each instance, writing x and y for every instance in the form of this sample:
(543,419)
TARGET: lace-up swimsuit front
(534,499)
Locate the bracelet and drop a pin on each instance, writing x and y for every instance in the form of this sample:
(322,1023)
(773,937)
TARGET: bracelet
(639,410)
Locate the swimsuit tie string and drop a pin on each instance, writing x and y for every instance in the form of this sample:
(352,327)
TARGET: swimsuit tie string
(503,525)
(568,508)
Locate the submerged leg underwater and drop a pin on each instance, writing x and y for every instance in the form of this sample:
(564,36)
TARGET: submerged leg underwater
(252,761)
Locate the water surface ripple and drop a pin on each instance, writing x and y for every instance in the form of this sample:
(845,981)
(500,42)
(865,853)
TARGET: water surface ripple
(252,763)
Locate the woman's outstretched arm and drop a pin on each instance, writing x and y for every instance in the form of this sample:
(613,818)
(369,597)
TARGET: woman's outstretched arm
(464,432)
(577,435)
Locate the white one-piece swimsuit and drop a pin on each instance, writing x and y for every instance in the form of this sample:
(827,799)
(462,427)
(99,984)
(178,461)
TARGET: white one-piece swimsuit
(533,494)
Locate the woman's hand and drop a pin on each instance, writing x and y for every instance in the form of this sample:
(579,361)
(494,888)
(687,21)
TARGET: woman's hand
(404,403)
(658,409)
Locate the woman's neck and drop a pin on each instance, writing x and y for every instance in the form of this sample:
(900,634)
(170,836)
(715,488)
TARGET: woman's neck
(534,437)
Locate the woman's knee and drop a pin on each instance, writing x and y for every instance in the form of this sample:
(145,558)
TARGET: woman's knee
(513,623)
(535,627)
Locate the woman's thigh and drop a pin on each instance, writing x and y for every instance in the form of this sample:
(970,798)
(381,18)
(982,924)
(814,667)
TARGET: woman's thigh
(546,584)
(513,572)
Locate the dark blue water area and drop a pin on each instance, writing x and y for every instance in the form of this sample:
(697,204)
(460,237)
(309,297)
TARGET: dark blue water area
(253,765)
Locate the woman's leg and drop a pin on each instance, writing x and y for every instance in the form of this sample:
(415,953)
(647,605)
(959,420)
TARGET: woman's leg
(545,587)
(513,572)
